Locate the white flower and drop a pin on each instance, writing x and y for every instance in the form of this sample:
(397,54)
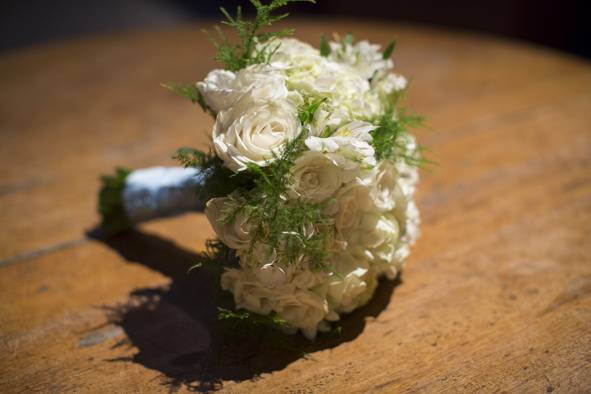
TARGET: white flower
(303,309)
(261,254)
(235,234)
(348,146)
(311,74)
(365,58)
(253,131)
(385,189)
(273,275)
(217,89)
(375,238)
(408,175)
(307,279)
(389,84)
(328,118)
(409,233)
(315,176)
(411,224)
(290,52)
(353,200)
(354,285)
(221,88)
(366,105)
(248,293)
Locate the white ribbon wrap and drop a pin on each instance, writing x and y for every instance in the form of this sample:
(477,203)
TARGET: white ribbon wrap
(161,191)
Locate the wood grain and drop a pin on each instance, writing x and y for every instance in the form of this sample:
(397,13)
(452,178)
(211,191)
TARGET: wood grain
(497,293)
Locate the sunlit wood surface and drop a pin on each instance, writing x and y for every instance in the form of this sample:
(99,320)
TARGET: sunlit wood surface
(495,298)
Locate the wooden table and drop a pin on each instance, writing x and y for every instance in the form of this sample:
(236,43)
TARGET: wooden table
(496,296)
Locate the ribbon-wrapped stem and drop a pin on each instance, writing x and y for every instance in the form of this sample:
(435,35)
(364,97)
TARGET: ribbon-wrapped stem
(130,197)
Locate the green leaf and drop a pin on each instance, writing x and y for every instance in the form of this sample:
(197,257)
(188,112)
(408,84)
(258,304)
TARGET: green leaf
(389,49)
(324,47)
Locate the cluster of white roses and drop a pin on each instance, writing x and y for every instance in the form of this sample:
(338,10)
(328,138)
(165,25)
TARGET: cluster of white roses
(371,202)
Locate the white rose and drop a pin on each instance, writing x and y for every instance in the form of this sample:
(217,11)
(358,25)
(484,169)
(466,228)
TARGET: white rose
(409,232)
(315,176)
(354,285)
(409,175)
(411,225)
(221,88)
(253,132)
(375,238)
(217,89)
(386,191)
(365,58)
(273,275)
(353,200)
(303,309)
(405,209)
(259,255)
(236,234)
(248,293)
(306,279)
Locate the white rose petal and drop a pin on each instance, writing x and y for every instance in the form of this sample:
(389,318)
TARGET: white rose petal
(236,234)
(221,89)
(353,200)
(315,176)
(272,275)
(353,286)
(303,309)
(253,132)
(375,238)
(386,190)
(218,89)
(248,294)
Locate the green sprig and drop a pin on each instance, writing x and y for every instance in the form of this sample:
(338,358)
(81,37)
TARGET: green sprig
(237,56)
(390,137)
(217,180)
(272,320)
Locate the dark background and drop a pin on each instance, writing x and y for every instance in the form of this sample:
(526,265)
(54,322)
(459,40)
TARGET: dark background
(564,25)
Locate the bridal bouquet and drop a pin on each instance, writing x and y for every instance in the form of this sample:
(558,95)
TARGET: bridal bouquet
(310,179)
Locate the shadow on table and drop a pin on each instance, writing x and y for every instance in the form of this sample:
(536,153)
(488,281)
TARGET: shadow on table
(177,331)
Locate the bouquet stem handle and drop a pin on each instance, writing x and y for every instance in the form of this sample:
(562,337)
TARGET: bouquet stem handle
(130,197)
